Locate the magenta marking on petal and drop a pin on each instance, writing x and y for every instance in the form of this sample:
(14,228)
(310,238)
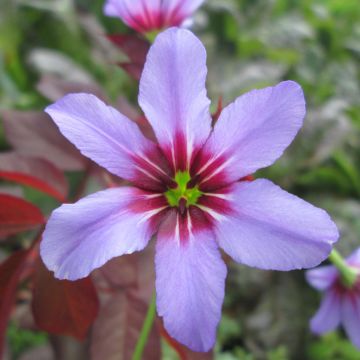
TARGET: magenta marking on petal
(153,18)
(342,290)
(180,13)
(200,220)
(219,204)
(152,171)
(148,20)
(146,15)
(159,20)
(175,226)
(153,206)
(180,154)
(210,170)
(134,21)
(183,225)
(147,201)
(176,17)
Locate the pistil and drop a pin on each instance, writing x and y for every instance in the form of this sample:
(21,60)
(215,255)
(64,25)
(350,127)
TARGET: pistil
(182,196)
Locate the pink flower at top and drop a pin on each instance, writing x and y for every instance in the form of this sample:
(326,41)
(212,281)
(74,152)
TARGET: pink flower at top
(340,304)
(188,188)
(151,15)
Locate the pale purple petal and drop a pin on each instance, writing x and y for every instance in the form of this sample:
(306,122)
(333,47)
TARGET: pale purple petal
(328,316)
(181,8)
(151,15)
(354,258)
(137,14)
(83,236)
(101,133)
(272,229)
(351,317)
(254,131)
(322,277)
(190,276)
(134,7)
(173,94)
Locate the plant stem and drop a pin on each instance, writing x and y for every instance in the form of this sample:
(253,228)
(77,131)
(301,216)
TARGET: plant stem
(348,274)
(151,36)
(145,331)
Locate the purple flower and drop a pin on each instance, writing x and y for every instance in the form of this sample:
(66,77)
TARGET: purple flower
(151,15)
(186,188)
(340,304)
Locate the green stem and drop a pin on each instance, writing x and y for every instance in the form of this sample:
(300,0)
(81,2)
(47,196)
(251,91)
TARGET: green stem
(348,274)
(145,331)
(151,36)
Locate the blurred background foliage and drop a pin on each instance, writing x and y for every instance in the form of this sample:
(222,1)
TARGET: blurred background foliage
(250,43)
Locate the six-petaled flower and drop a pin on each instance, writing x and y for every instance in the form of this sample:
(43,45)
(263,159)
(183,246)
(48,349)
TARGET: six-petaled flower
(341,303)
(188,188)
(151,15)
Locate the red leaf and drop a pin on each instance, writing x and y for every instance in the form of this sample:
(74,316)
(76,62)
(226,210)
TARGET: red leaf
(117,329)
(54,88)
(183,352)
(134,70)
(192,355)
(127,109)
(218,111)
(125,286)
(42,352)
(17,215)
(35,134)
(37,173)
(119,273)
(133,114)
(61,306)
(133,272)
(10,273)
(135,47)
(146,273)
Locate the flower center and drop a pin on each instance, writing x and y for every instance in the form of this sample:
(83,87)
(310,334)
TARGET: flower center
(182,194)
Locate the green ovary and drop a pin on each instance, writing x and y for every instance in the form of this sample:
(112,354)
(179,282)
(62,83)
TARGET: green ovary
(191,196)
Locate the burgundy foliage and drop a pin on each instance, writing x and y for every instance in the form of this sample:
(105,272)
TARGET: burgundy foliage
(183,352)
(34,134)
(53,88)
(136,48)
(63,307)
(125,285)
(10,273)
(17,215)
(59,307)
(35,172)
(118,327)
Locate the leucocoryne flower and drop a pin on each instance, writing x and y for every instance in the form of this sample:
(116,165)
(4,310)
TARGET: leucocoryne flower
(187,188)
(151,15)
(341,303)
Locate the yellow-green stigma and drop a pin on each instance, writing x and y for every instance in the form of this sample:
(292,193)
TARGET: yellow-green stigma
(182,192)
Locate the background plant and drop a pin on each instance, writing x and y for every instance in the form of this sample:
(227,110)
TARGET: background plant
(48,48)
